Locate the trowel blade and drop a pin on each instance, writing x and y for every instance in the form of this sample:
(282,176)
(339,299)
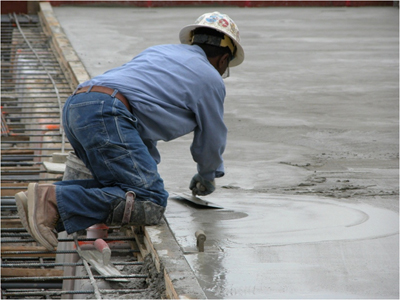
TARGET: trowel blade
(196,200)
(95,259)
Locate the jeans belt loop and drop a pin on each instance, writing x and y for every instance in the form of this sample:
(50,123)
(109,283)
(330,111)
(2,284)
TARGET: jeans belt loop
(114,93)
(77,89)
(90,87)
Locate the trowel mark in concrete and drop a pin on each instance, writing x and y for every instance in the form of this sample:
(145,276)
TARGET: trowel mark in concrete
(278,246)
(281,220)
(288,220)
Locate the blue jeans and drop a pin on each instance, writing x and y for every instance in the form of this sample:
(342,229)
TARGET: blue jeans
(104,136)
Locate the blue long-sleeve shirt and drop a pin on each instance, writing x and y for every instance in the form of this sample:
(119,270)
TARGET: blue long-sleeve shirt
(174,90)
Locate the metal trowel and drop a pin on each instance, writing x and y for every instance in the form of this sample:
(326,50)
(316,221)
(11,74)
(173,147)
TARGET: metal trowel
(195,200)
(98,258)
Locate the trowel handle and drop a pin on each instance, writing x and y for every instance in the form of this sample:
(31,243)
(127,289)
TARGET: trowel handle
(201,238)
(103,247)
(199,188)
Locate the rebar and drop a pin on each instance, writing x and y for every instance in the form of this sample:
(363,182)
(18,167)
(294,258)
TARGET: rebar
(40,278)
(59,293)
(107,239)
(27,265)
(7,253)
(60,240)
(27,285)
(32,85)
(50,77)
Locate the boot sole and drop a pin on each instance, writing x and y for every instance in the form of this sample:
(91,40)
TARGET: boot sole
(32,212)
(21,201)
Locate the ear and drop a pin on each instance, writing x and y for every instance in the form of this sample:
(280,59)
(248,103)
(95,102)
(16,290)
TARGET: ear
(224,59)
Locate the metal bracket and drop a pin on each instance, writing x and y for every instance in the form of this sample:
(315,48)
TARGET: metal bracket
(129,201)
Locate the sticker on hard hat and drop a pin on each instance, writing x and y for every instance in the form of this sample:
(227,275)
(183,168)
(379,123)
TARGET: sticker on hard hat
(223,22)
(212,19)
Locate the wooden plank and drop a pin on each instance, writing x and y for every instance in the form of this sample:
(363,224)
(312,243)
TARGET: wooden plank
(14,151)
(20,168)
(169,287)
(18,172)
(15,184)
(11,223)
(136,245)
(139,237)
(13,188)
(13,138)
(151,250)
(30,272)
(12,192)
(5,249)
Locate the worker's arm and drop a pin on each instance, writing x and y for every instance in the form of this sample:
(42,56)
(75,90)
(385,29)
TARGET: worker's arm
(210,136)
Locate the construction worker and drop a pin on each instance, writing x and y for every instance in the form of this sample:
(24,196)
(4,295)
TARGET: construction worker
(114,121)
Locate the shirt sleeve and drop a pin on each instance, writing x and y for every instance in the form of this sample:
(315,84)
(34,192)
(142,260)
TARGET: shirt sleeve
(210,134)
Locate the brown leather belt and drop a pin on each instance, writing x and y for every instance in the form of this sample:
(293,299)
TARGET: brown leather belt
(105,90)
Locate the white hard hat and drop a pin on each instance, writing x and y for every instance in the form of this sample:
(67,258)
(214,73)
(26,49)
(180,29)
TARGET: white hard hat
(220,22)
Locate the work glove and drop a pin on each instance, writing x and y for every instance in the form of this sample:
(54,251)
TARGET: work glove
(201,186)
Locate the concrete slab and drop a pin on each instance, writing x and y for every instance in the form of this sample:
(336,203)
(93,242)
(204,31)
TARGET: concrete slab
(311,185)
(281,246)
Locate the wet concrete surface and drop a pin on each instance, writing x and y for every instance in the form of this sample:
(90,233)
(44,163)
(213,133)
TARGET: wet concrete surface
(310,194)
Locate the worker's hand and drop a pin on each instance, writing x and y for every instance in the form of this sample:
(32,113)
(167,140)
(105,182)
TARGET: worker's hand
(201,186)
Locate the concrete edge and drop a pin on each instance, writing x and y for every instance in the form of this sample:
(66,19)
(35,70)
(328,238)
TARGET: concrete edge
(180,281)
(69,61)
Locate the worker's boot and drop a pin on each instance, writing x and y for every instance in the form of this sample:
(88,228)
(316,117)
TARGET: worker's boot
(21,199)
(43,214)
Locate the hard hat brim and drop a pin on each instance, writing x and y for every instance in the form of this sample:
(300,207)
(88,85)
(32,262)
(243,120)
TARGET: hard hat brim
(185,37)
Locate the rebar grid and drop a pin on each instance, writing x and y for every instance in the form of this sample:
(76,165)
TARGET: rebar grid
(33,88)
